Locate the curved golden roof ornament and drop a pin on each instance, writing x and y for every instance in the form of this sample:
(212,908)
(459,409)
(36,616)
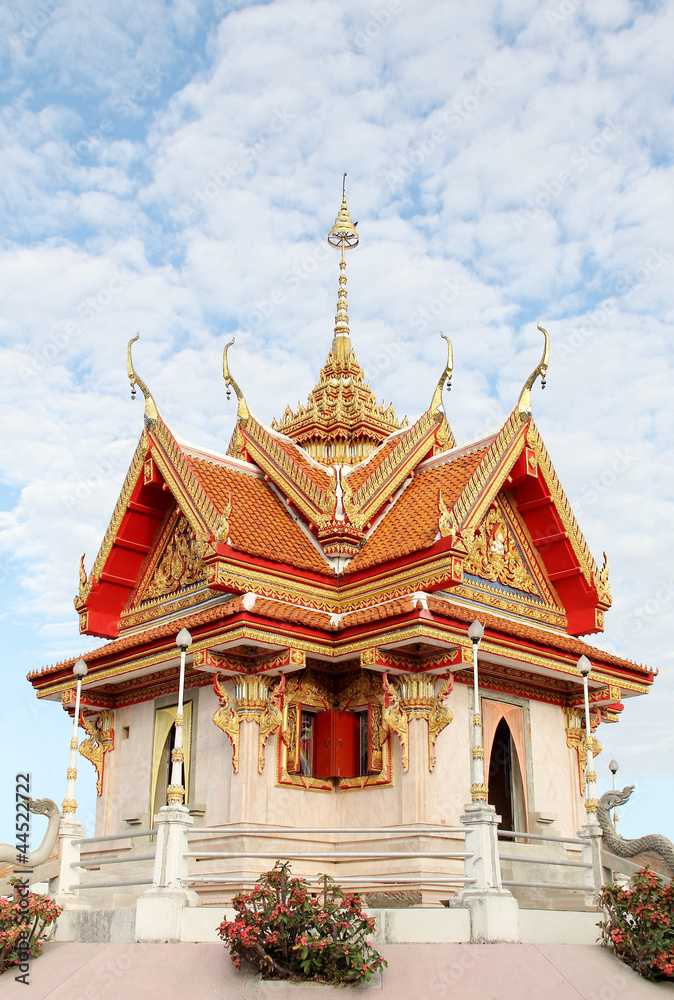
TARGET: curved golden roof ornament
(242,409)
(151,412)
(436,402)
(342,235)
(524,402)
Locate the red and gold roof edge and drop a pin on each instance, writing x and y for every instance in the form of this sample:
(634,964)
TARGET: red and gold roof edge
(371,626)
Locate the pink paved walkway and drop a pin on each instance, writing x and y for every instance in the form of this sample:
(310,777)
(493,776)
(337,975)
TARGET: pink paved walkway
(415,972)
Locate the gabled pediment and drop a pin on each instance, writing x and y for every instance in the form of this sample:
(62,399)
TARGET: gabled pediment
(518,462)
(159,479)
(442,522)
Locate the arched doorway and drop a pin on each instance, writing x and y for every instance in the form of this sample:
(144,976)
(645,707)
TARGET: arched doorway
(505,770)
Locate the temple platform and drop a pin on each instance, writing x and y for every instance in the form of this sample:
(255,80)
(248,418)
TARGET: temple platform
(473,972)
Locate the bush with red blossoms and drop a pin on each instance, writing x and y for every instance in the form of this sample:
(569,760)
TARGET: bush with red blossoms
(24,918)
(639,924)
(286,930)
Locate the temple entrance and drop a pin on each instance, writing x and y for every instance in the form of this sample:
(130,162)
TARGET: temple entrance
(504,771)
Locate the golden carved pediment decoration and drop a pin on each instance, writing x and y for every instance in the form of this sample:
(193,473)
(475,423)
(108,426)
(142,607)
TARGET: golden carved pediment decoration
(100,741)
(253,702)
(493,555)
(394,719)
(226,718)
(271,720)
(419,700)
(180,565)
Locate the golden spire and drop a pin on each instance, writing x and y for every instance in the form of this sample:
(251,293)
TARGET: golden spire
(524,402)
(242,409)
(436,402)
(151,412)
(343,234)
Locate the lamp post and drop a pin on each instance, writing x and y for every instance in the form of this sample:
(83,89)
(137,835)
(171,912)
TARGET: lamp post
(69,804)
(175,792)
(584,666)
(613,768)
(478,788)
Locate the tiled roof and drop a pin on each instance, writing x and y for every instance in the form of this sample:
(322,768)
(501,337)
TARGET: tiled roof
(363,472)
(259,434)
(259,523)
(279,611)
(412,523)
(520,630)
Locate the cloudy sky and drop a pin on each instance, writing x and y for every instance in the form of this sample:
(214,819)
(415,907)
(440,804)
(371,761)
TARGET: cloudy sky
(174,167)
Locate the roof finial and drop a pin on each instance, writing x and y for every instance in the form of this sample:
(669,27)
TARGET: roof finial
(242,410)
(524,402)
(342,235)
(151,412)
(436,402)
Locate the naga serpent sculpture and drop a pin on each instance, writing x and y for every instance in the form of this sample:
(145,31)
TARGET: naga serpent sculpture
(30,859)
(654,843)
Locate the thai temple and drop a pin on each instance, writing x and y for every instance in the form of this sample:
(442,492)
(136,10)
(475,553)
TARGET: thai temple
(329,570)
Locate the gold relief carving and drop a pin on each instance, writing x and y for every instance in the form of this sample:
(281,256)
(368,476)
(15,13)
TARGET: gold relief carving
(100,740)
(69,806)
(178,755)
(439,717)
(168,604)
(493,555)
(526,606)
(227,719)
(602,586)
(395,720)
(181,564)
(378,737)
(478,793)
(591,805)
(290,736)
(576,739)
(222,530)
(252,703)
(307,688)
(237,444)
(271,720)
(72,773)
(362,690)
(615,693)
(83,579)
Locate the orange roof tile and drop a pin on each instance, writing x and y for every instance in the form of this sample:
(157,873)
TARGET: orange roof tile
(363,472)
(412,523)
(259,523)
(520,630)
(259,434)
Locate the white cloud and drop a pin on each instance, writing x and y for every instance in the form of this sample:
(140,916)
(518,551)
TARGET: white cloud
(215,182)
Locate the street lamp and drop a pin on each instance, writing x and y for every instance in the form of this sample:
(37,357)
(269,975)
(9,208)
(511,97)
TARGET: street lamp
(584,666)
(478,788)
(613,768)
(69,804)
(175,792)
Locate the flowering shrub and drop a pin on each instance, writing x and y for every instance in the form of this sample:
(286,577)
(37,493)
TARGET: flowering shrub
(286,933)
(639,924)
(23,920)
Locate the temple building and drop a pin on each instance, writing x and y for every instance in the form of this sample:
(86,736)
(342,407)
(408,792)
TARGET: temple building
(328,568)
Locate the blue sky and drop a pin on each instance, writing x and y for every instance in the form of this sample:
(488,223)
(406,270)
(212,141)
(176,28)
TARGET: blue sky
(168,166)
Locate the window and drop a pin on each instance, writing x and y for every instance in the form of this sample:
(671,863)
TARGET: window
(307,734)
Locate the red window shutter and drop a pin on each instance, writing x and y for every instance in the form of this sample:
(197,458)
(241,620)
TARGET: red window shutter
(337,744)
(323,745)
